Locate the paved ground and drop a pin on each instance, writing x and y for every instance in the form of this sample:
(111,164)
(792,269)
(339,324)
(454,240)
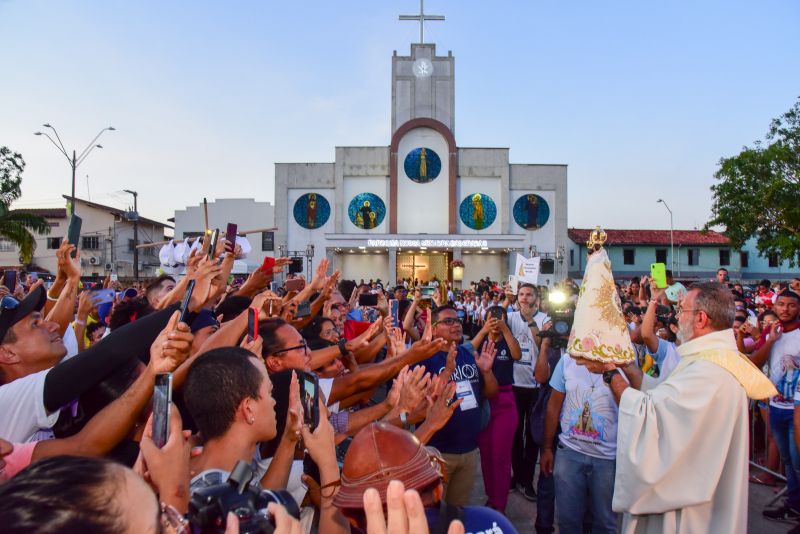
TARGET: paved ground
(522,512)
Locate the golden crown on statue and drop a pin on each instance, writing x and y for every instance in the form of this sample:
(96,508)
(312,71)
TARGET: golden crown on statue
(596,239)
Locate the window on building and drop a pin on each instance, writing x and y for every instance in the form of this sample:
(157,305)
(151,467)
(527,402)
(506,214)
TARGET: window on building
(628,256)
(572,257)
(744,258)
(130,245)
(724,256)
(53,224)
(661,255)
(149,252)
(7,245)
(773,259)
(90,242)
(694,256)
(54,242)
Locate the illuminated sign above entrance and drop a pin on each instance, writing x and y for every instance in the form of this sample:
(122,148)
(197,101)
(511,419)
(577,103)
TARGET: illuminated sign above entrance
(435,243)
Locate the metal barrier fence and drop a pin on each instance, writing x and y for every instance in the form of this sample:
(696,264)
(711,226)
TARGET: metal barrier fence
(759,446)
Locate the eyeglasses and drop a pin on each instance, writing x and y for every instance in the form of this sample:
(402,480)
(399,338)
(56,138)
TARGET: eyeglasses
(449,321)
(329,331)
(680,309)
(302,345)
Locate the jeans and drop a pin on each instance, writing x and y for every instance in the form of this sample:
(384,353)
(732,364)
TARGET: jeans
(781,423)
(525,452)
(578,477)
(546,503)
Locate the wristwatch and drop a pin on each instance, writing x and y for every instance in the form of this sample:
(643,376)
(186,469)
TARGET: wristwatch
(343,347)
(609,375)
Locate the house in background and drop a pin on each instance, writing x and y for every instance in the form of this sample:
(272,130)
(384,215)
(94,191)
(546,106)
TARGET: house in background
(106,242)
(698,255)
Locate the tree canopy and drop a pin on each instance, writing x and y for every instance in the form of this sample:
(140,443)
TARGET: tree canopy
(758,194)
(16,226)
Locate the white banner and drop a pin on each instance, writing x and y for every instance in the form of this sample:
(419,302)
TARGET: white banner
(527,269)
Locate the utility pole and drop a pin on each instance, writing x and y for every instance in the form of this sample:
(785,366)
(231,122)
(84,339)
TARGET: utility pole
(135,233)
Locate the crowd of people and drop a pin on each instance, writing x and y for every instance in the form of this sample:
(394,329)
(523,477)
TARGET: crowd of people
(421,387)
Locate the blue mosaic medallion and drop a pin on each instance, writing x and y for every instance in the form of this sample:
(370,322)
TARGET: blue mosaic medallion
(311,211)
(422,165)
(531,211)
(478,211)
(366,210)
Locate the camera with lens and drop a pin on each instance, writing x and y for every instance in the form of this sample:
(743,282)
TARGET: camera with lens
(562,314)
(209,506)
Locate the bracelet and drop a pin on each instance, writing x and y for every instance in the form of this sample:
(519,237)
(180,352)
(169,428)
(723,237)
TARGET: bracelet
(335,484)
(78,321)
(651,301)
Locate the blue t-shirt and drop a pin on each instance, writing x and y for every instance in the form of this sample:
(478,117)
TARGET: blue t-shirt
(477,519)
(460,434)
(503,367)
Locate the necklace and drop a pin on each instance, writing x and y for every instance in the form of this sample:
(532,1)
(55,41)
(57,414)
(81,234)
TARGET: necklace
(595,380)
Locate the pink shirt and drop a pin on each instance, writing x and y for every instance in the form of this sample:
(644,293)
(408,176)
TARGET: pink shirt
(19,459)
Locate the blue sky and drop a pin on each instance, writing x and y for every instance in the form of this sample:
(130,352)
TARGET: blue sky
(640,99)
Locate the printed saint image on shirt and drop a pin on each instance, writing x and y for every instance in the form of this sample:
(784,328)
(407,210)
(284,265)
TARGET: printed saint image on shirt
(587,419)
(790,370)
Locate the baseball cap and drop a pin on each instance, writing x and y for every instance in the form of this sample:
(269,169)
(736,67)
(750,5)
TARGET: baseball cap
(13,311)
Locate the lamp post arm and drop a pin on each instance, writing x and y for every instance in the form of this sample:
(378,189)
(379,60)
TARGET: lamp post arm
(58,147)
(90,146)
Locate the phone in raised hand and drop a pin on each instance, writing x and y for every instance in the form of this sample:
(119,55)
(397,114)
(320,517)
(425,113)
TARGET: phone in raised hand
(187,296)
(162,404)
(252,323)
(230,236)
(309,397)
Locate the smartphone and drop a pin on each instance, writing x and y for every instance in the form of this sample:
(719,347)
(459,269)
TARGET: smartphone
(658,273)
(753,320)
(162,403)
(496,313)
(114,277)
(185,301)
(513,283)
(296,266)
(427,292)
(230,235)
(74,231)
(252,323)
(212,246)
(10,280)
(295,284)
(101,296)
(303,309)
(368,299)
(274,286)
(394,306)
(269,263)
(309,397)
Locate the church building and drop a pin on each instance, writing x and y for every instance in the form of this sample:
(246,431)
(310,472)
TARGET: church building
(421,206)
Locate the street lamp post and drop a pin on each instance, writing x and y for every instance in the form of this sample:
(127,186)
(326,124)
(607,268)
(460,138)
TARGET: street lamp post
(76,158)
(671,239)
(135,233)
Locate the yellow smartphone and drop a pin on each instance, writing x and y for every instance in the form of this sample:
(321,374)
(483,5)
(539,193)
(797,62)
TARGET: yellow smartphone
(658,273)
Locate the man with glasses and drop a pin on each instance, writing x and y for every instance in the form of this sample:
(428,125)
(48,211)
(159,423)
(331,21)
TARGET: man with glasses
(284,348)
(458,439)
(682,443)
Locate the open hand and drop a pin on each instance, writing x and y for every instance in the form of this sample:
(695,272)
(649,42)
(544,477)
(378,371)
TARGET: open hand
(172,346)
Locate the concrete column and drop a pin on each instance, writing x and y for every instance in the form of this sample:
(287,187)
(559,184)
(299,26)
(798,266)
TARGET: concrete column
(392,280)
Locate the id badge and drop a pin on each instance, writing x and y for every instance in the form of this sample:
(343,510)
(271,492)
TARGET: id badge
(464,391)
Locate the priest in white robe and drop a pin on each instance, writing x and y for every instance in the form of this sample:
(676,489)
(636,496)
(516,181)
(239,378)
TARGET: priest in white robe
(682,444)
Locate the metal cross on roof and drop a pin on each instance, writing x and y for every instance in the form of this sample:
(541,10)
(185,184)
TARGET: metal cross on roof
(422,17)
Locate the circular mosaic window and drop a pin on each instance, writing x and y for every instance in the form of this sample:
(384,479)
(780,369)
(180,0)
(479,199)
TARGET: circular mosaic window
(366,210)
(478,211)
(422,165)
(531,211)
(312,210)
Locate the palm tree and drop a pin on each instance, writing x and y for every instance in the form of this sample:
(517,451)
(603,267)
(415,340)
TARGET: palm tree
(16,225)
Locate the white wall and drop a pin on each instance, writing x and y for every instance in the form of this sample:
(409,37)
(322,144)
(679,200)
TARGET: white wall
(477,266)
(366,266)
(544,238)
(423,208)
(300,237)
(354,185)
(488,186)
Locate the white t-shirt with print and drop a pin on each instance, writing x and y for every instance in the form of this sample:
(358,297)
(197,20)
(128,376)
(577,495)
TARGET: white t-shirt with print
(23,417)
(589,414)
(784,368)
(523,368)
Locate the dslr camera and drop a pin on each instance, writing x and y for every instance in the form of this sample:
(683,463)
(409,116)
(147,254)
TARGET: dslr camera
(209,507)
(562,313)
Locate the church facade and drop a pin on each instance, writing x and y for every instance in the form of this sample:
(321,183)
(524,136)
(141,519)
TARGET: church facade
(422,206)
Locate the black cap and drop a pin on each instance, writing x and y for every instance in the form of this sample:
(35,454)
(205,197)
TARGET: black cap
(11,316)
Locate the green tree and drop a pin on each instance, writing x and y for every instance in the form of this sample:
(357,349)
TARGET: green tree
(758,194)
(16,226)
